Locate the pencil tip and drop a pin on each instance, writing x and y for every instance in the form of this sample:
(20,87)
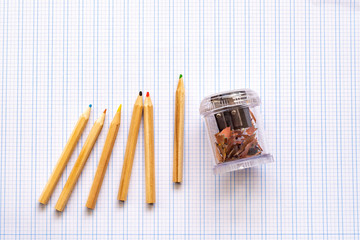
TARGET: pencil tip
(147,94)
(119,109)
(90,105)
(105,110)
(180,76)
(140,93)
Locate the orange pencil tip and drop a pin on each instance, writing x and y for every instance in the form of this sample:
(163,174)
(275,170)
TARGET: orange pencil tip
(147,94)
(105,110)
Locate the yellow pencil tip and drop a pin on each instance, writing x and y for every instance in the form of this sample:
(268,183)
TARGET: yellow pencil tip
(119,109)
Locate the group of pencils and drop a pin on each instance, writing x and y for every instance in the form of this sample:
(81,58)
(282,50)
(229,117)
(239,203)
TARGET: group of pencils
(138,110)
(131,146)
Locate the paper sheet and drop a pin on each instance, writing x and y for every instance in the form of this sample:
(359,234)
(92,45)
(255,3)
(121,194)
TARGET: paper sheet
(302,59)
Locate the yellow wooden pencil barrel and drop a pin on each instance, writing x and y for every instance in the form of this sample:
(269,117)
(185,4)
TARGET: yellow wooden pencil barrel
(149,150)
(65,156)
(80,163)
(104,160)
(130,148)
(179,132)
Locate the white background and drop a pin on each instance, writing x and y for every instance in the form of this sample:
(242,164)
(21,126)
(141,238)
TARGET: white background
(302,58)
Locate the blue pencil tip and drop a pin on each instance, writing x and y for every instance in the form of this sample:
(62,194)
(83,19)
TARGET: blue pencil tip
(90,105)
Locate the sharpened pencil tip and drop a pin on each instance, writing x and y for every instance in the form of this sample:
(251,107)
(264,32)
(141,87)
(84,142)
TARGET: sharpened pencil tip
(180,76)
(119,109)
(140,93)
(104,111)
(147,94)
(90,105)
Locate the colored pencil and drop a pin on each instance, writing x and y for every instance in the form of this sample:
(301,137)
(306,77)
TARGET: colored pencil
(149,150)
(65,156)
(130,148)
(104,160)
(80,163)
(179,132)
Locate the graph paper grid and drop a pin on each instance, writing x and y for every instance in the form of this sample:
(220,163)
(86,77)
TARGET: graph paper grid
(301,56)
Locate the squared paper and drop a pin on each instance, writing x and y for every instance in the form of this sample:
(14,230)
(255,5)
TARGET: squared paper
(301,57)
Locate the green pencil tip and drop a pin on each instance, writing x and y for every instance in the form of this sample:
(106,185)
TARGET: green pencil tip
(180,76)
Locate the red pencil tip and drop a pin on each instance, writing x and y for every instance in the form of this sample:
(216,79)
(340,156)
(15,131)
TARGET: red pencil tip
(105,110)
(147,94)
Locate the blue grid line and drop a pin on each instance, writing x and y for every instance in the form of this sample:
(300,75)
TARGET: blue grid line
(112,99)
(337,120)
(307,127)
(6,96)
(158,112)
(341,140)
(32,121)
(2,96)
(63,125)
(78,100)
(36,108)
(124,93)
(139,73)
(291,123)
(142,166)
(276,116)
(170,107)
(17,116)
(310,127)
(109,105)
(352,120)
(184,234)
(51,90)
(2,121)
(355,130)
(96,150)
(188,87)
(321,119)
(202,77)
(232,175)
(47,106)
(174,85)
(186,132)
(127,78)
(233,79)
(67,63)
(21,105)
(325,128)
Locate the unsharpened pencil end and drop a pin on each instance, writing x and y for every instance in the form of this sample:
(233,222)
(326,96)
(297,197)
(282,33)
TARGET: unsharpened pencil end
(90,105)
(105,110)
(119,108)
(140,93)
(43,200)
(180,76)
(147,94)
(60,206)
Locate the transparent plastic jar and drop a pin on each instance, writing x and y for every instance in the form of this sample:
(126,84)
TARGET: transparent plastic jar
(235,130)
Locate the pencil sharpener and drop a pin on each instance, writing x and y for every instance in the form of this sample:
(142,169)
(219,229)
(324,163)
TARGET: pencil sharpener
(235,130)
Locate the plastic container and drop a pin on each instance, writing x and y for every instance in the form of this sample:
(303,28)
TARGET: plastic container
(235,130)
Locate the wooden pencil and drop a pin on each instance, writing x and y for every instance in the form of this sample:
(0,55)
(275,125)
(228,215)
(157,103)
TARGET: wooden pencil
(130,148)
(179,132)
(104,160)
(65,156)
(80,163)
(149,150)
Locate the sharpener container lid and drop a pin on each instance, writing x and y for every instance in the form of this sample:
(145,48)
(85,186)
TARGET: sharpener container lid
(219,101)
